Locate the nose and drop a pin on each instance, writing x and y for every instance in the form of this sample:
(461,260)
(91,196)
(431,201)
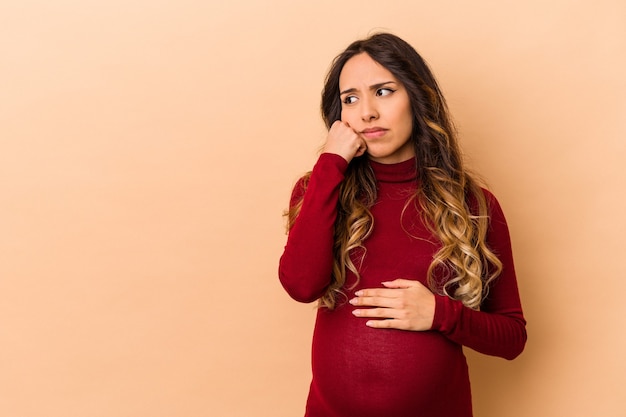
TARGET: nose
(369,111)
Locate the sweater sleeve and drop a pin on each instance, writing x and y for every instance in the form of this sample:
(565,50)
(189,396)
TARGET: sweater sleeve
(305,267)
(499,328)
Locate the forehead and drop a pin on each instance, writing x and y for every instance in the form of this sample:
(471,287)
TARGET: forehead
(361,70)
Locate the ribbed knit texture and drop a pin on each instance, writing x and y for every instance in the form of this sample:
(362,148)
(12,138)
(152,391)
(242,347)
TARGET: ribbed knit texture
(364,372)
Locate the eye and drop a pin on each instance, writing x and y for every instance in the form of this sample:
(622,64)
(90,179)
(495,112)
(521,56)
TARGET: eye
(381,92)
(349,100)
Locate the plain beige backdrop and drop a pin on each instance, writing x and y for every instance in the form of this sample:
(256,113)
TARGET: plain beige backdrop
(148,149)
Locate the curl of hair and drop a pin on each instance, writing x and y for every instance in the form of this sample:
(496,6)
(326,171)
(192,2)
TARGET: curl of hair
(464,265)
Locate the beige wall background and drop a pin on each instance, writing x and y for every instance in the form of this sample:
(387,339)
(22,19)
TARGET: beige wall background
(148,148)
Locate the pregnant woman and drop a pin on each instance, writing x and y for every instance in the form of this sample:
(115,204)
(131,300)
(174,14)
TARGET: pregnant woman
(407,255)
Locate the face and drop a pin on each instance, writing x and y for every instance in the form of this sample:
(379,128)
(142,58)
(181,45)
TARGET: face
(376,105)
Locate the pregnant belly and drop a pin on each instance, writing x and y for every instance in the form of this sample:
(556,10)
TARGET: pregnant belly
(360,371)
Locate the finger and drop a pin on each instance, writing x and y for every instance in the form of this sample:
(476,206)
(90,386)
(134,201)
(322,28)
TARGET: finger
(378,292)
(362,149)
(385,302)
(387,324)
(379,313)
(340,124)
(402,283)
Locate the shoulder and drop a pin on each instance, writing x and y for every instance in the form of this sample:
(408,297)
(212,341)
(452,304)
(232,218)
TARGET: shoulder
(477,195)
(493,206)
(490,199)
(482,201)
(498,229)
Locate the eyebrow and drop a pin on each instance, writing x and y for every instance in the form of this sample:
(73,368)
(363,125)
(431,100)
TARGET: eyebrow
(372,87)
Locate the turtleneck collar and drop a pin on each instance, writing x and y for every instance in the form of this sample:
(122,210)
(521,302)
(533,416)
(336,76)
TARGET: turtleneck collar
(399,172)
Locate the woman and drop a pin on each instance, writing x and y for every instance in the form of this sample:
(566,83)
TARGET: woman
(409,257)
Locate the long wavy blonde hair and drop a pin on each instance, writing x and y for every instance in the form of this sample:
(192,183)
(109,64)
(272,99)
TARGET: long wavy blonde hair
(451,200)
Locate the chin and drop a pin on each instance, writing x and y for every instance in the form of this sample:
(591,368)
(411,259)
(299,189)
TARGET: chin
(379,154)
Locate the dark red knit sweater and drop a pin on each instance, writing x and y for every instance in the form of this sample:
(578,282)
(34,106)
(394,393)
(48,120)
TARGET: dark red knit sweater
(360,371)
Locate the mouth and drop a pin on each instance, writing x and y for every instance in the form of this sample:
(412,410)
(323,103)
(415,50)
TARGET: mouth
(373,132)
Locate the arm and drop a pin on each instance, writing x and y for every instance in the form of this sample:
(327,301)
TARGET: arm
(305,268)
(499,329)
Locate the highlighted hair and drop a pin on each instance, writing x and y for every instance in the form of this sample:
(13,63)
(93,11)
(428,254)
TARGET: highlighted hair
(452,202)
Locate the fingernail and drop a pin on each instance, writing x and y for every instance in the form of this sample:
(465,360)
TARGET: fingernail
(356,312)
(358,293)
(352,301)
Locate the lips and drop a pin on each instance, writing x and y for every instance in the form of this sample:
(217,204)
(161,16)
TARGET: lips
(373,132)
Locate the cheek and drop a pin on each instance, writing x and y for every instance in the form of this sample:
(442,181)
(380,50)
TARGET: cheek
(408,119)
(347,115)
